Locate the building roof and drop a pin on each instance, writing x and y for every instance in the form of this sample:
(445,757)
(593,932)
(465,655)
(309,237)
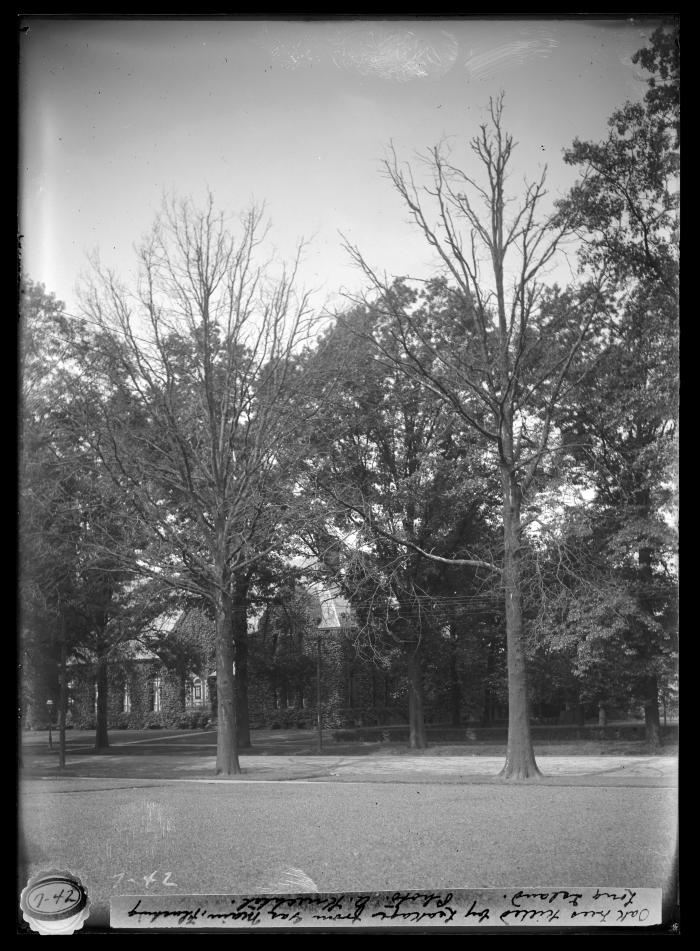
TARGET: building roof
(334,610)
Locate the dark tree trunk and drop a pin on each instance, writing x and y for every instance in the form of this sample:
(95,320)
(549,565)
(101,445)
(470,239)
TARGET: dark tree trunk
(350,690)
(226,736)
(602,714)
(520,756)
(300,684)
(319,697)
(652,724)
(487,709)
(213,703)
(240,638)
(416,719)
(101,731)
(62,699)
(650,685)
(455,686)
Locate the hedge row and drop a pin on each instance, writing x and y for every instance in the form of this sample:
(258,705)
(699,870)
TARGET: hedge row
(438,734)
(143,721)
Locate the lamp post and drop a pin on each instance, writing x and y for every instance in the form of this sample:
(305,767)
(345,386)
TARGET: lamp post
(49,707)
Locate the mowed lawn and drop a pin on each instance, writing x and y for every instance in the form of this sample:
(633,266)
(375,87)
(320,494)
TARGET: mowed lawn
(145,837)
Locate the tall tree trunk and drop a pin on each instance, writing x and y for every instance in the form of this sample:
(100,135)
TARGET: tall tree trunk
(487,712)
(652,723)
(650,684)
(226,737)
(101,731)
(520,756)
(211,691)
(319,696)
(62,699)
(416,720)
(300,684)
(455,686)
(240,639)
(602,714)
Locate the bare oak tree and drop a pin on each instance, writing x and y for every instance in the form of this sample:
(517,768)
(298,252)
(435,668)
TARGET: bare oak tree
(506,358)
(190,401)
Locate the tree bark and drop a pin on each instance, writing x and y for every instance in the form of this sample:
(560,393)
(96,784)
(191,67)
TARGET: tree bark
(455,686)
(226,735)
(652,723)
(319,704)
(101,730)
(602,714)
(487,708)
(416,720)
(650,684)
(62,699)
(211,690)
(520,756)
(240,639)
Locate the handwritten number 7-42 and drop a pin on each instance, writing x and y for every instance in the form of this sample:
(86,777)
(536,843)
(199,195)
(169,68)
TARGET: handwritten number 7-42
(151,879)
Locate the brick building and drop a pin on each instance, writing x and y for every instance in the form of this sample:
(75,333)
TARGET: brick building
(151,687)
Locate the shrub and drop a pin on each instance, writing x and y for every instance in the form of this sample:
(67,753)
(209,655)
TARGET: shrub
(295,718)
(191,720)
(153,721)
(121,722)
(85,721)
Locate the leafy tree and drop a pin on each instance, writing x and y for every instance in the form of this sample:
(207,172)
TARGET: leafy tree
(662,58)
(44,581)
(72,600)
(278,653)
(625,206)
(622,428)
(397,480)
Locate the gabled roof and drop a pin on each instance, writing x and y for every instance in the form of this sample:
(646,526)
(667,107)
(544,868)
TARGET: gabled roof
(134,649)
(163,624)
(334,610)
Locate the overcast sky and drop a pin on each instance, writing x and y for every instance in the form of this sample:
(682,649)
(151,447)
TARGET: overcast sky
(298,114)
